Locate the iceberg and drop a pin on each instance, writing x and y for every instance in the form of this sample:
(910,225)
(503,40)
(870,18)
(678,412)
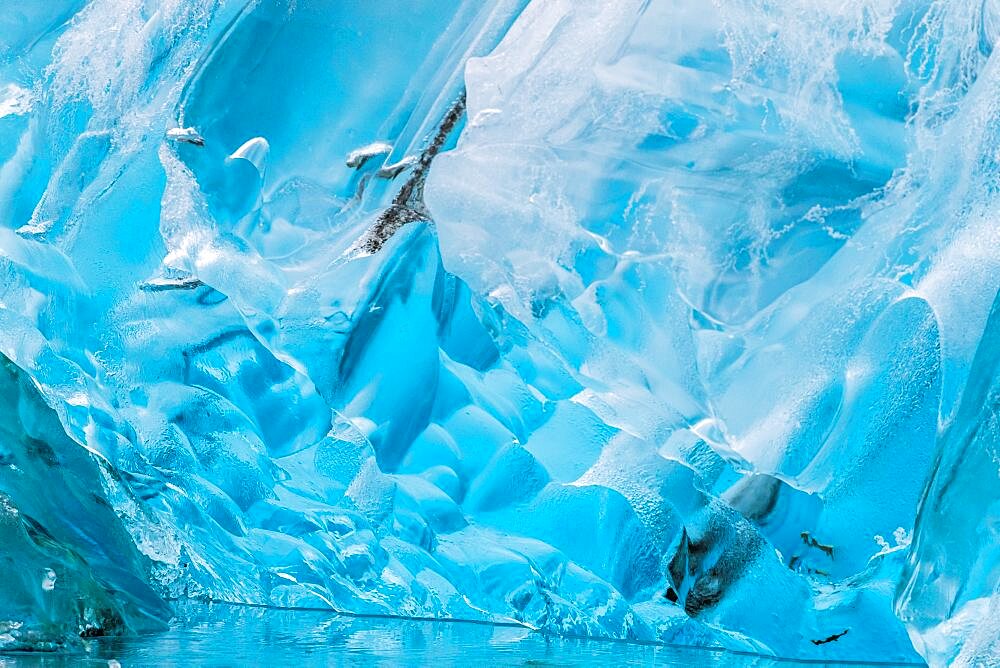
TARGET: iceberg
(655,320)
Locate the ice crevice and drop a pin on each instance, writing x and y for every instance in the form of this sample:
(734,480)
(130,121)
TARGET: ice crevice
(657,320)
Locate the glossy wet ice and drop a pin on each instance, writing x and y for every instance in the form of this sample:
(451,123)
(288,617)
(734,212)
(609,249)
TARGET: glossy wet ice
(661,320)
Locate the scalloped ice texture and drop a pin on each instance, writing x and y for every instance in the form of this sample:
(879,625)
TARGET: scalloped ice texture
(661,350)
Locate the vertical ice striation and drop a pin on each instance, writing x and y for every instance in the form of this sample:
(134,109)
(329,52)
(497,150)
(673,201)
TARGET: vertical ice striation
(650,319)
(950,592)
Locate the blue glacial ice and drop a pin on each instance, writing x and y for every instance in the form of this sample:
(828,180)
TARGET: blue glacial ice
(662,320)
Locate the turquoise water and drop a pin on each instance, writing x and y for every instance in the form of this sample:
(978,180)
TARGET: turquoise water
(224,635)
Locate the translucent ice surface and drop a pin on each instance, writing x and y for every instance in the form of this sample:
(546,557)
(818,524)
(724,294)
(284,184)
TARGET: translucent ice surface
(658,320)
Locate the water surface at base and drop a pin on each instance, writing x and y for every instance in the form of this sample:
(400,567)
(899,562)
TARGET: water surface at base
(226,635)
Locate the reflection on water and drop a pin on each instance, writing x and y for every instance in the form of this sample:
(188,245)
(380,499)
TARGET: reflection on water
(225,635)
